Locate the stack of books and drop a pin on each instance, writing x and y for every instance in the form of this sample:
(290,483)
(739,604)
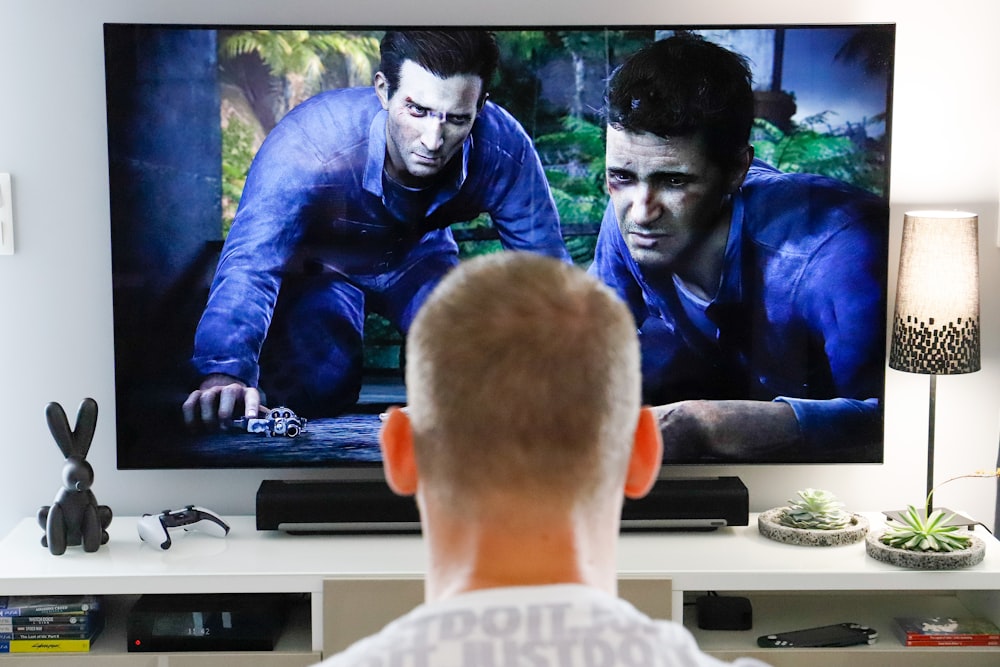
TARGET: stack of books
(946,631)
(49,624)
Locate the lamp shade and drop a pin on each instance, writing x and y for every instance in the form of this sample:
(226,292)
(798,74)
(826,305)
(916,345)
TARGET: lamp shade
(936,321)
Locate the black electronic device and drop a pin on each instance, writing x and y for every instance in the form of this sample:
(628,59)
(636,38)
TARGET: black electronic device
(837,634)
(221,622)
(342,506)
(695,503)
(369,506)
(723,612)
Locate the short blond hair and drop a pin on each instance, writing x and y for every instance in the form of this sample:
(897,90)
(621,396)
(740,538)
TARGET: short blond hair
(523,376)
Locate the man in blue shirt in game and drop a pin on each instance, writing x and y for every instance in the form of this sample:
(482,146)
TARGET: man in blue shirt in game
(760,295)
(347,209)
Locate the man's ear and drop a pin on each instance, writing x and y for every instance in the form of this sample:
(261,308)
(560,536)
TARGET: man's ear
(398,461)
(740,168)
(647,456)
(382,89)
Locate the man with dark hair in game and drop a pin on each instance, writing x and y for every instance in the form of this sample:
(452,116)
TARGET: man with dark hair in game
(759,294)
(523,435)
(347,209)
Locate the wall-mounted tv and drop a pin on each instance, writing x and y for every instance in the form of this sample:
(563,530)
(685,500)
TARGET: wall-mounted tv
(210,128)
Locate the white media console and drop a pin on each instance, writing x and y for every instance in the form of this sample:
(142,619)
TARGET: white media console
(351,585)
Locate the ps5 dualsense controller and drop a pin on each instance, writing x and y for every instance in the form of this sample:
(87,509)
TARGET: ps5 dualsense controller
(155,528)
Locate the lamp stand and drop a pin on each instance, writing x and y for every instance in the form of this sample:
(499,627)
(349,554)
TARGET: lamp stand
(956,519)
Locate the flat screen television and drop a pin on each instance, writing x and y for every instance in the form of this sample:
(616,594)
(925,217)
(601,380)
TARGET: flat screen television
(188,107)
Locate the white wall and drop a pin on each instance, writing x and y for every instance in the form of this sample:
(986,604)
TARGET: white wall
(55,291)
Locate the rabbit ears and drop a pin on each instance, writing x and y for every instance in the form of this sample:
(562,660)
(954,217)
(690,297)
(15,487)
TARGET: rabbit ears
(74,442)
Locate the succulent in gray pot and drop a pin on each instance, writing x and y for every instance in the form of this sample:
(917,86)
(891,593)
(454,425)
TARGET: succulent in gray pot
(925,543)
(926,540)
(814,518)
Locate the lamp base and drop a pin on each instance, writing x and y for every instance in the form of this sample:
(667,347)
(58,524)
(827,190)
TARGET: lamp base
(952,518)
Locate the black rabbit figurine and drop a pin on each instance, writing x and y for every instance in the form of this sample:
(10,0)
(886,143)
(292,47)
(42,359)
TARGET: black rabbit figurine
(75,517)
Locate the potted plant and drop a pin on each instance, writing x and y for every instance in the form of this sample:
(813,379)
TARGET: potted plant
(925,543)
(925,540)
(814,518)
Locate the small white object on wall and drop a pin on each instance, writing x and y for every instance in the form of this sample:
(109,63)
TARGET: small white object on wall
(6,217)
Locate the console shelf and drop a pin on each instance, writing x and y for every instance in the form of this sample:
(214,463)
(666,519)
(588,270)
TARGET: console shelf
(352,585)
(780,611)
(292,650)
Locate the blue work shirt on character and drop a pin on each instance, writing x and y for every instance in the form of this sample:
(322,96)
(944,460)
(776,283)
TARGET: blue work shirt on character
(799,315)
(322,235)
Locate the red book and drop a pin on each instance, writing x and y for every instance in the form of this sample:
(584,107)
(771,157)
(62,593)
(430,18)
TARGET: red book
(951,642)
(946,631)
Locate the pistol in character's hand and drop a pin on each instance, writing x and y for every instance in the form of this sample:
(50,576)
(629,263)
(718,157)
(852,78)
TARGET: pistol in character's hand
(214,404)
(274,421)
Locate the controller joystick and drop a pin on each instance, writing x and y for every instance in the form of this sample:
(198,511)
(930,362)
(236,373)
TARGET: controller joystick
(155,528)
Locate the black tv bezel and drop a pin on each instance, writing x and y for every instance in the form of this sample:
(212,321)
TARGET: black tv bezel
(128,441)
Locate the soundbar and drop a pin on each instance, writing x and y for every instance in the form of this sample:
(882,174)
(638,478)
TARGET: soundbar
(695,503)
(369,506)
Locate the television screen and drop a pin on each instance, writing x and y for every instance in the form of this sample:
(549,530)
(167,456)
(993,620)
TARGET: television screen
(252,240)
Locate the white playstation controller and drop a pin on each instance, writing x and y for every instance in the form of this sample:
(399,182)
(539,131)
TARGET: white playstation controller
(155,528)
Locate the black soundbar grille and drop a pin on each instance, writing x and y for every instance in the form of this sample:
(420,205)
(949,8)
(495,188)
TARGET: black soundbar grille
(369,506)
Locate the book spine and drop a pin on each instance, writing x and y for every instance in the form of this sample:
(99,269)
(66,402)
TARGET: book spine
(952,642)
(956,637)
(7,636)
(9,622)
(82,626)
(48,610)
(48,632)
(44,645)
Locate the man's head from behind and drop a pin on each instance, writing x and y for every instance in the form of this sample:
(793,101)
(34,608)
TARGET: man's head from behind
(523,382)
(684,86)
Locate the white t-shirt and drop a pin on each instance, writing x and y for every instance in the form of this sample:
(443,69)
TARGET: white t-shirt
(564,625)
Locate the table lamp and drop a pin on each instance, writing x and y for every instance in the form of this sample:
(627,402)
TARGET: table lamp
(935,327)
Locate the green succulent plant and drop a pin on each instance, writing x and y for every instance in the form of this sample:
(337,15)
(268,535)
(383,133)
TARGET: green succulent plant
(816,509)
(919,534)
